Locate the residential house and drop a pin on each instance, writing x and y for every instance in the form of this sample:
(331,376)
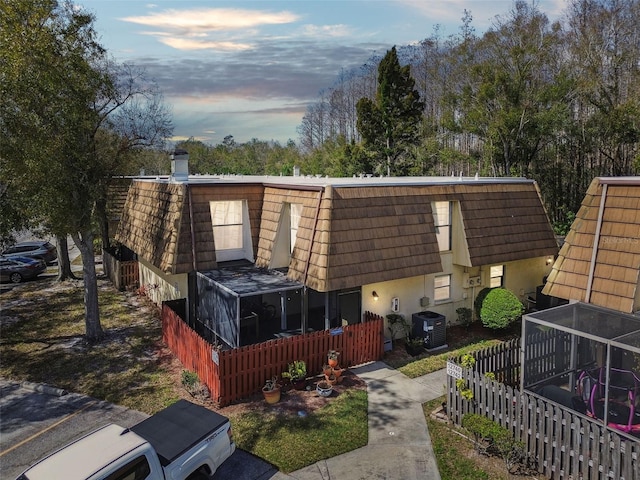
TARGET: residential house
(258,257)
(599,262)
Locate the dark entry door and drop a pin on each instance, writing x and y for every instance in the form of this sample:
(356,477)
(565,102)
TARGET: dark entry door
(349,307)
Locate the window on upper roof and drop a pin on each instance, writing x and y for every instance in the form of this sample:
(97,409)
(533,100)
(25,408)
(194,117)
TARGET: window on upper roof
(496,276)
(231,233)
(442,222)
(295,212)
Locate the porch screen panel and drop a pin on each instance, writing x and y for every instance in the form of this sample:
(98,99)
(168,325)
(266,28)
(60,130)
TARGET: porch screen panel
(218,311)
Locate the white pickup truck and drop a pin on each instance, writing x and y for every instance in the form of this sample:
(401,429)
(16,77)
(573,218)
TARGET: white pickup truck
(182,442)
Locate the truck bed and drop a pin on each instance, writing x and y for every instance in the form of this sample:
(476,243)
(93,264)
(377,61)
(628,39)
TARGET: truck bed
(177,428)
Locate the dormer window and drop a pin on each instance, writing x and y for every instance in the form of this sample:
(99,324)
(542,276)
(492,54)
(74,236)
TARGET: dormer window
(231,233)
(442,222)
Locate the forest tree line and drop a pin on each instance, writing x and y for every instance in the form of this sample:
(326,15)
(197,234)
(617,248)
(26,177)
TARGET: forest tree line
(555,102)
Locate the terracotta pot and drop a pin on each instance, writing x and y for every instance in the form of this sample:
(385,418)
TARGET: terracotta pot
(331,379)
(271,396)
(338,371)
(326,370)
(333,362)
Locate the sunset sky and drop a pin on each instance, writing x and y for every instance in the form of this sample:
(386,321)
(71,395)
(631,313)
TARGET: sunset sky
(249,69)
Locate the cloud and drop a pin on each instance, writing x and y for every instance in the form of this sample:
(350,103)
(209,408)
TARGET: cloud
(197,44)
(333,31)
(198,25)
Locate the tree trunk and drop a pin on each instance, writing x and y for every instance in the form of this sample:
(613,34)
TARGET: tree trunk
(64,263)
(84,241)
(101,209)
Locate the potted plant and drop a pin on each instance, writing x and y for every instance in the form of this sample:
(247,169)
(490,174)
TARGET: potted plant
(332,358)
(297,374)
(324,388)
(337,372)
(331,379)
(271,390)
(326,369)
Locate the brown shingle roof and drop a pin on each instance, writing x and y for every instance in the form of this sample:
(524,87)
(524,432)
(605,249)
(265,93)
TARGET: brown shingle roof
(617,254)
(150,223)
(505,222)
(349,234)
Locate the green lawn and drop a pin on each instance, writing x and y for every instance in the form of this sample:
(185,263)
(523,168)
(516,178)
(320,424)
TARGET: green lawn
(291,442)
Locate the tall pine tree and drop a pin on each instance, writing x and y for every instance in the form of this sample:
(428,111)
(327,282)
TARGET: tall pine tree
(389,126)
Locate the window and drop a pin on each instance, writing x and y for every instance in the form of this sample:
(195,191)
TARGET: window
(137,469)
(442,288)
(226,218)
(231,230)
(496,276)
(295,212)
(442,222)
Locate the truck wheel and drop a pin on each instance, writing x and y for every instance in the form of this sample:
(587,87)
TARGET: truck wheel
(15,277)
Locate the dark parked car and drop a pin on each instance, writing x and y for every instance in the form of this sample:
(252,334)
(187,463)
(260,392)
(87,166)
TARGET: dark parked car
(39,249)
(16,269)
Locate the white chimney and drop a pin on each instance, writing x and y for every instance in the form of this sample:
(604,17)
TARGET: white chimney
(179,165)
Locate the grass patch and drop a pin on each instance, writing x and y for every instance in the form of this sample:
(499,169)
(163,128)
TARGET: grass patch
(432,363)
(292,442)
(452,450)
(43,341)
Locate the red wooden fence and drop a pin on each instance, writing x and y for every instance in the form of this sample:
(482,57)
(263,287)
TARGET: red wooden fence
(231,375)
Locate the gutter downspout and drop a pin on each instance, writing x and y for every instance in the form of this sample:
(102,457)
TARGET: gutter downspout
(596,242)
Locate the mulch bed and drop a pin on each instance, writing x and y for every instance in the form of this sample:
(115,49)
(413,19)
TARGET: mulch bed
(296,402)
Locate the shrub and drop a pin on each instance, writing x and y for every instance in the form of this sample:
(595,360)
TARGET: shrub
(500,308)
(464,316)
(477,304)
(491,438)
(398,326)
(189,379)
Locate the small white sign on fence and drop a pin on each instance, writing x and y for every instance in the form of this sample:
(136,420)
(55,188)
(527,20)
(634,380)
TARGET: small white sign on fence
(454,370)
(215,356)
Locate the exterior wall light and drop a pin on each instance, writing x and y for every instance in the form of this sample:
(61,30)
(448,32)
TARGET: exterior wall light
(549,260)
(375,295)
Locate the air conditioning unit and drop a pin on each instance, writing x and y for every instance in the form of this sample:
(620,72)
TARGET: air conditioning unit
(471,281)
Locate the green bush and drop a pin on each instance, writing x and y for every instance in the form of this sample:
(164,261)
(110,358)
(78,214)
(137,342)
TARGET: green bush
(477,304)
(500,308)
(189,379)
(464,316)
(492,439)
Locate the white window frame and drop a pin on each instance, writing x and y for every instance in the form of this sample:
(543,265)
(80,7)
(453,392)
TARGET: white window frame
(231,230)
(445,286)
(442,223)
(496,276)
(295,214)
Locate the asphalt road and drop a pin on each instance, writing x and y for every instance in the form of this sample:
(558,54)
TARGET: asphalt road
(35,423)
(36,420)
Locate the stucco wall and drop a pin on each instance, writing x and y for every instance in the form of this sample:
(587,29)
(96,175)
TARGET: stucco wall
(521,277)
(159,286)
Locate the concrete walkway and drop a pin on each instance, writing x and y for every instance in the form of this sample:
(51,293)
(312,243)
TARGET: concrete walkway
(399,443)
